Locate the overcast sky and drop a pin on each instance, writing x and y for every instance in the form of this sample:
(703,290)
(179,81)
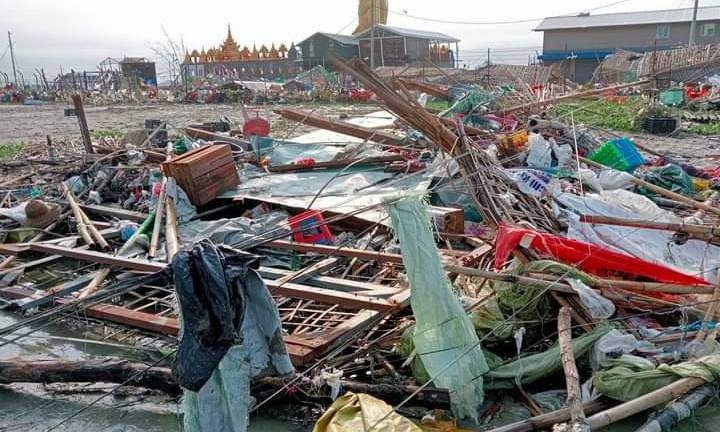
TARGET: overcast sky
(78,34)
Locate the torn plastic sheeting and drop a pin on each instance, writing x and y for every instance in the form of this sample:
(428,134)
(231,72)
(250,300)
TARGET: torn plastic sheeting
(285,153)
(444,337)
(534,367)
(615,343)
(598,306)
(361,412)
(694,257)
(626,380)
(588,257)
(355,190)
(223,403)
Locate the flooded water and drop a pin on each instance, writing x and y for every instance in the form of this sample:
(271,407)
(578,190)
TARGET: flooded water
(34,407)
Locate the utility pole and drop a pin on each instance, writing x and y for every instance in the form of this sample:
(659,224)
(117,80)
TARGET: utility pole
(372,34)
(12,59)
(693,25)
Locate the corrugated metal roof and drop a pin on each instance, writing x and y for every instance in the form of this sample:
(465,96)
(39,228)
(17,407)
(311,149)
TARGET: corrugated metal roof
(628,18)
(343,39)
(422,34)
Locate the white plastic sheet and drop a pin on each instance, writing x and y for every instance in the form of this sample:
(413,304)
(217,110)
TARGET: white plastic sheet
(598,306)
(695,257)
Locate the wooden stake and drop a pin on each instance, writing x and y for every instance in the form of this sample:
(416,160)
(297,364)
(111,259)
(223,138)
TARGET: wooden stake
(572,378)
(82,121)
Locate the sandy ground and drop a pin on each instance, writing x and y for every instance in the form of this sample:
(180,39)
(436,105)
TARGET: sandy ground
(30,124)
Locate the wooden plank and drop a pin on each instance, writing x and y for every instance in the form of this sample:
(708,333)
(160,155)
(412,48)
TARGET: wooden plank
(335,251)
(345,300)
(49,296)
(117,314)
(341,127)
(99,258)
(117,213)
(299,353)
(323,281)
(308,272)
(350,252)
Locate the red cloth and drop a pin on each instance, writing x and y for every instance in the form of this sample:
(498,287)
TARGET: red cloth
(588,257)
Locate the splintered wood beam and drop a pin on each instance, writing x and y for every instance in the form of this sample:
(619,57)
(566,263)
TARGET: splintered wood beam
(113,370)
(344,300)
(104,370)
(341,127)
(99,258)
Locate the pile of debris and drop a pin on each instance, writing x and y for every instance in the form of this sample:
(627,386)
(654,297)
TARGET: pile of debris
(491,264)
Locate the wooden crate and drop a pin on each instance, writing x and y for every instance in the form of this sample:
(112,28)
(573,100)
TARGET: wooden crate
(204,173)
(448,220)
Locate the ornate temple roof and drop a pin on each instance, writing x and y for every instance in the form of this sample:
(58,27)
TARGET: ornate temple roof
(230,51)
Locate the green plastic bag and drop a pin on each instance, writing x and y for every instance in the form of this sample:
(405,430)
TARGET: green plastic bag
(670,177)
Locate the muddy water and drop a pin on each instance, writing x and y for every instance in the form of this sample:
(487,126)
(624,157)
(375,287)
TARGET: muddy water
(31,407)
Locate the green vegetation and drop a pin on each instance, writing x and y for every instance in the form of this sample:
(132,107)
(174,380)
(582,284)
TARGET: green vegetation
(437,105)
(612,115)
(11,150)
(705,128)
(107,133)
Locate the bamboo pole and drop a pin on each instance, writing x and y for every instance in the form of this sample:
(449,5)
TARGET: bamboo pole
(546,421)
(662,191)
(556,283)
(703,232)
(85,220)
(82,228)
(655,398)
(103,274)
(171,239)
(601,284)
(159,210)
(94,231)
(572,377)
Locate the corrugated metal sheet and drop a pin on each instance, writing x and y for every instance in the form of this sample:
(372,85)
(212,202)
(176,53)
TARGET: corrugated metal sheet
(421,34)
(628,19)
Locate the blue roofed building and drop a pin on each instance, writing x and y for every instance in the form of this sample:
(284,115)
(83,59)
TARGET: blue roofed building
(582,41)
